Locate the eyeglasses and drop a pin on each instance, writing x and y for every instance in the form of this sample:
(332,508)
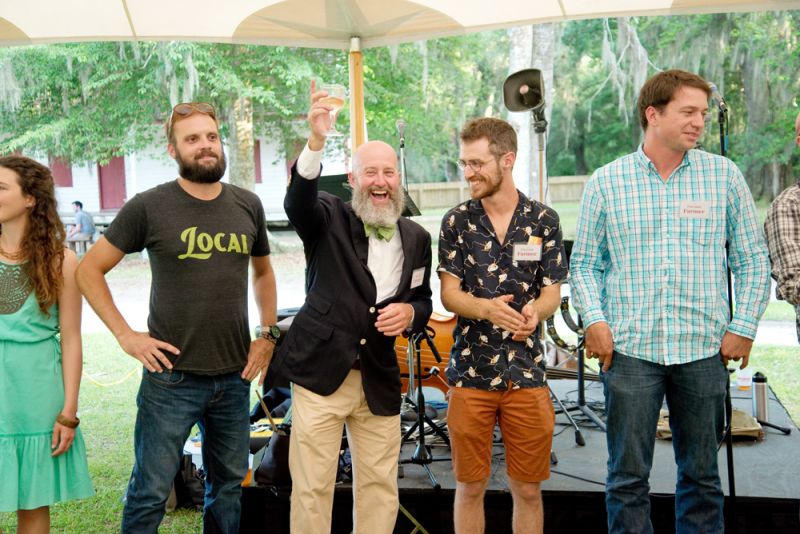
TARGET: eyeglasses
(187,108)
(476,165)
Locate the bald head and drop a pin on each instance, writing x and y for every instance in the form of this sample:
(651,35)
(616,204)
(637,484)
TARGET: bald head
(371,153)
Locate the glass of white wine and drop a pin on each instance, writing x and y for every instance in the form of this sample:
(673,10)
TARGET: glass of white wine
(337,96)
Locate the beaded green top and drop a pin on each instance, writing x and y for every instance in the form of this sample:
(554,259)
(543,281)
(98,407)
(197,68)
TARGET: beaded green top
(14,287)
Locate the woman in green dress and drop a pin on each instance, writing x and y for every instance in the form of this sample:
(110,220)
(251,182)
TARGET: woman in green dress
(42,453)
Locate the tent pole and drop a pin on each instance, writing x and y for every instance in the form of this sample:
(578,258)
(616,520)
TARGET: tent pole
(358,124)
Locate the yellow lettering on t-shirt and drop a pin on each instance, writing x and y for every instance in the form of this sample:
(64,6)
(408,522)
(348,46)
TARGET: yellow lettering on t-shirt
(218,242)
(205,243)
(233,244)
(188,237)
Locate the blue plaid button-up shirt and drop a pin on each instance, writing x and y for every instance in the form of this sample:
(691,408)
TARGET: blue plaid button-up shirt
(649,256)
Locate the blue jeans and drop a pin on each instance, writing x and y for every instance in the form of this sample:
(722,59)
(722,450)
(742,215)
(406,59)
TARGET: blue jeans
(695,393)
(170,403)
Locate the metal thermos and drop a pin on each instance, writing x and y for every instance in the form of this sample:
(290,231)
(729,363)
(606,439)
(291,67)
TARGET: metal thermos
(760,397)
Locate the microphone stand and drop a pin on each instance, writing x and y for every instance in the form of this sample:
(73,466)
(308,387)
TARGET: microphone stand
(411,209)
(722,119)
(539,124)
(422,454)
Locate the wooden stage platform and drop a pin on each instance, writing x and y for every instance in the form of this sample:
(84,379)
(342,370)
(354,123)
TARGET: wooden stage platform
(766,474)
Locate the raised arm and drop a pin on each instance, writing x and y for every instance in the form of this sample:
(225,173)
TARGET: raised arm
(302,200)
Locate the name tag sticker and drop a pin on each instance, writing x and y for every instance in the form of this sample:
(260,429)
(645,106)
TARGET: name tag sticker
(527,251)
(695,209)
(417,277)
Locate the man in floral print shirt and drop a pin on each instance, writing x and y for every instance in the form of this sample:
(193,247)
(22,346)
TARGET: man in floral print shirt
(501,262)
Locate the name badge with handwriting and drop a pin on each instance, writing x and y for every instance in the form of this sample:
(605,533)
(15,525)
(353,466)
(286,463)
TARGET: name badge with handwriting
(417,276)
(695,209)
(527,252)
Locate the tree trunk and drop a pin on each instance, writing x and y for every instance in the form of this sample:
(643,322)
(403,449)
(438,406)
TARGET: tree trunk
(544,38)
(520,57)
(242,165)
(531,47)
(579,148)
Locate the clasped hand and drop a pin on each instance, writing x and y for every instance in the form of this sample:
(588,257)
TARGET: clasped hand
(501,314)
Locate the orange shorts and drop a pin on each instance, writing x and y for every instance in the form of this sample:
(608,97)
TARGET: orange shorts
(526,419)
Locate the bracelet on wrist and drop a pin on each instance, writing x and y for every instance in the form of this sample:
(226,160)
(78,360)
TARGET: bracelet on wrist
(63,420)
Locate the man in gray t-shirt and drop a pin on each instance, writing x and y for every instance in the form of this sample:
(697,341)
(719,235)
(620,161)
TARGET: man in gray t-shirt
(201,236)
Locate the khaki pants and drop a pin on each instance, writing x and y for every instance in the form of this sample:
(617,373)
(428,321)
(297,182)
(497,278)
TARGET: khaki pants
(313,458)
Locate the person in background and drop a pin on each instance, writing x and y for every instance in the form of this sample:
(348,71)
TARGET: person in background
(83,229)
(648,275)
(42,452)
(782,228)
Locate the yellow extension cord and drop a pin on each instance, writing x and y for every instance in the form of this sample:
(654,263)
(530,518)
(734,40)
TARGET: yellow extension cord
(114,383)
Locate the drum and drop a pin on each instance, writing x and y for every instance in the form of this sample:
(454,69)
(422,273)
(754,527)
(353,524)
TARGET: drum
(440,328)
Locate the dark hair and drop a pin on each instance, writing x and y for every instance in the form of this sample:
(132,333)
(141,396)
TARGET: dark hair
(500,134)
(78,203)
(43,242)
(660,89)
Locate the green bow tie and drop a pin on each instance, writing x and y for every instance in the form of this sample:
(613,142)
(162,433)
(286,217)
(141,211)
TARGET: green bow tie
(380,232)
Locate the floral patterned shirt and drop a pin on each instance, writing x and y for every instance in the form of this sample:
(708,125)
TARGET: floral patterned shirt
(483,356)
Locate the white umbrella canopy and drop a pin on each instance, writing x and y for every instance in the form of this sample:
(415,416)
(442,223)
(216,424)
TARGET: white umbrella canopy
(341,24)
(315,23)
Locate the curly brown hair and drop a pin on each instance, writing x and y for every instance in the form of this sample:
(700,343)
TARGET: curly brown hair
(43,241)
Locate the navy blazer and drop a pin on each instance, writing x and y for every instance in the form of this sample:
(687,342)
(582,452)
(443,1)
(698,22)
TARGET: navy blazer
(337,320)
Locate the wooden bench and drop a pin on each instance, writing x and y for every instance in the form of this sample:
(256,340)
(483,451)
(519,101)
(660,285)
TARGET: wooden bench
(80,246)
(101,224)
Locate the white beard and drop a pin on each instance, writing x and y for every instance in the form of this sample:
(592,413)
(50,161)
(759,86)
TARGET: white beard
(378,215)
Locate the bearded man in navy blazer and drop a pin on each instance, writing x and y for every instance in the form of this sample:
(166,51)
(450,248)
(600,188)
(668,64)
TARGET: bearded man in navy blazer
(367,282)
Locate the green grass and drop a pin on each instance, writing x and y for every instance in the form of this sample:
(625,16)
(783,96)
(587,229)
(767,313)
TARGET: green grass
(779,310)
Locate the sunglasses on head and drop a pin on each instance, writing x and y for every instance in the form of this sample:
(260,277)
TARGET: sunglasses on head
(187,108)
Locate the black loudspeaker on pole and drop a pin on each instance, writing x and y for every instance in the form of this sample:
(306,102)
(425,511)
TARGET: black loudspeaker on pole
(524,91)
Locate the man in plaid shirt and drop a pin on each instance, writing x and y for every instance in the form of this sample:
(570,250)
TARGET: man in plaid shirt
(649,280)
(783,237)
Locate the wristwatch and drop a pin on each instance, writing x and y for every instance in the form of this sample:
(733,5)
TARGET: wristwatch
(270,333)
